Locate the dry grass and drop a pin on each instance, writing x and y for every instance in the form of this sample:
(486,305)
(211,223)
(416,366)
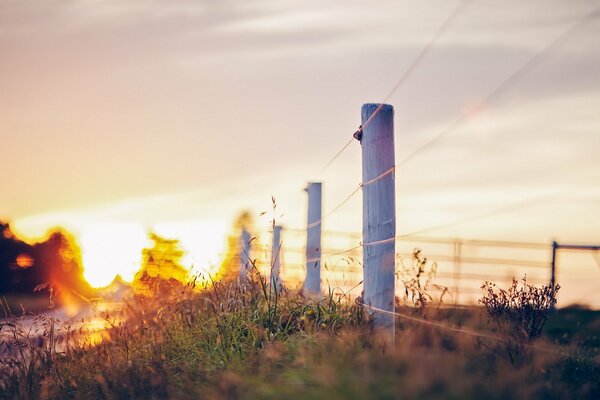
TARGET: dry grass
(230,341)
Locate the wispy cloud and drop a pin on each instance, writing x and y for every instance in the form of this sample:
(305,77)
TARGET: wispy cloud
(105,101)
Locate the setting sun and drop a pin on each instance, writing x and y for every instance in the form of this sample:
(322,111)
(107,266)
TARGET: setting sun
(111,249)
(300,199)
(202,242)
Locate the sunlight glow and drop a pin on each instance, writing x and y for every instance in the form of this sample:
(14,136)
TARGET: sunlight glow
(111,249)
(203,243)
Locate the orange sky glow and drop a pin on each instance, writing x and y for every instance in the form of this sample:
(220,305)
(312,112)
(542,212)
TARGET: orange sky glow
(118,118)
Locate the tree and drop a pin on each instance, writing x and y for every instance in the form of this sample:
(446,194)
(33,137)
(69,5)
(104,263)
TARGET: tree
(161,269)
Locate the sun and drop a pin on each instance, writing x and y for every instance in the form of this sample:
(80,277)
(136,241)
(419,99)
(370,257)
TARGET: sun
(111,249)
(203,243)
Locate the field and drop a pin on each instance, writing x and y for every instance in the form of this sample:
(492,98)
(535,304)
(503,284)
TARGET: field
(232,341)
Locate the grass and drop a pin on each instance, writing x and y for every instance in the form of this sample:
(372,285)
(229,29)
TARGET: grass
(19,303)
(232,341)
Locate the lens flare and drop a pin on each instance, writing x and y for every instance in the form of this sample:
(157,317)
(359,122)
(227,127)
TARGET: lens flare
(25,261)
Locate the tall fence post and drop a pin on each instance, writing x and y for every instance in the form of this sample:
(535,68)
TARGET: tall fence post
(245,255)
(379,215)
(276,255)
(312,284)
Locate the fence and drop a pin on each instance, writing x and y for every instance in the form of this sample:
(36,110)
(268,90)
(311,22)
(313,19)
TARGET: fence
(462,264)
(370,262)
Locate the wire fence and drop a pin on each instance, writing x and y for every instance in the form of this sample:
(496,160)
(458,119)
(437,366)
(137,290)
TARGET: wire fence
(405,75)
(486,101)
(461,265)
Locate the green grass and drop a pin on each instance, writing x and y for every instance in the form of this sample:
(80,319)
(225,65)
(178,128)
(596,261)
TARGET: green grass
(245,342)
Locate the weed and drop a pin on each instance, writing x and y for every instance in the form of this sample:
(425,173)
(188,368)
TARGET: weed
(228,340)
(519,313)
(417,280)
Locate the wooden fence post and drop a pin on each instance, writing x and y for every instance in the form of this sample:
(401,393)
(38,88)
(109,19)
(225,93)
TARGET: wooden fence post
(245,255)
(379,215)
(312,284)
(276,255)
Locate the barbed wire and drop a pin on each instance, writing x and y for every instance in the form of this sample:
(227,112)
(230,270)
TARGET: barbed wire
(481,242)
(438,257)
(422,54)
(498,90)
(504,85)
(501,88)
(497,211)
(495,93)
(407,73)
(434,324)
(487,214)
(500,210)
(325,256)
(352,194)
(335,209)
(335,157)
(466,331)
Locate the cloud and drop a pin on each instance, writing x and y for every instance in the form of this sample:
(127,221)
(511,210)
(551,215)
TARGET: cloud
(110,100)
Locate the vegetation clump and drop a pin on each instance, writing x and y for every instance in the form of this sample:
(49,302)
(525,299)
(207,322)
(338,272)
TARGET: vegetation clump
(245,340)
(520,313)
(418,278)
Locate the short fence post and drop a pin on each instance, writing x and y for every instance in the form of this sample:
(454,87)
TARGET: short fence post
(276,258)
(457,250)
(245,255)
(379,215)
(555,247)
(553,266)
(312,284)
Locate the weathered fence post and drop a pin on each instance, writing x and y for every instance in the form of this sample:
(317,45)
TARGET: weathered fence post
(312,284)
(245,255)
(379,215)
(276,258)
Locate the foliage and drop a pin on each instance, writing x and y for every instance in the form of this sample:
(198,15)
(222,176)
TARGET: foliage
(520,312)
(156,339)
(524,307)
(161,267)
(417,280)
(227,340)
(55,260)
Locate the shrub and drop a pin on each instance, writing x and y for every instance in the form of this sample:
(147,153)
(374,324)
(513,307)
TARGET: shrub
(519,313)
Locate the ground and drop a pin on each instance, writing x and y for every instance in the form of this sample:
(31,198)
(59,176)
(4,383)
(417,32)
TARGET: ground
(231,341)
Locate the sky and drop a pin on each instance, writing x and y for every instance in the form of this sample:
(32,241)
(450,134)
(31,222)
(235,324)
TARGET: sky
(129,115)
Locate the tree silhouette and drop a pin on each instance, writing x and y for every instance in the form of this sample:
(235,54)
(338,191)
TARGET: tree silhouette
(54,262)
(161,269)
